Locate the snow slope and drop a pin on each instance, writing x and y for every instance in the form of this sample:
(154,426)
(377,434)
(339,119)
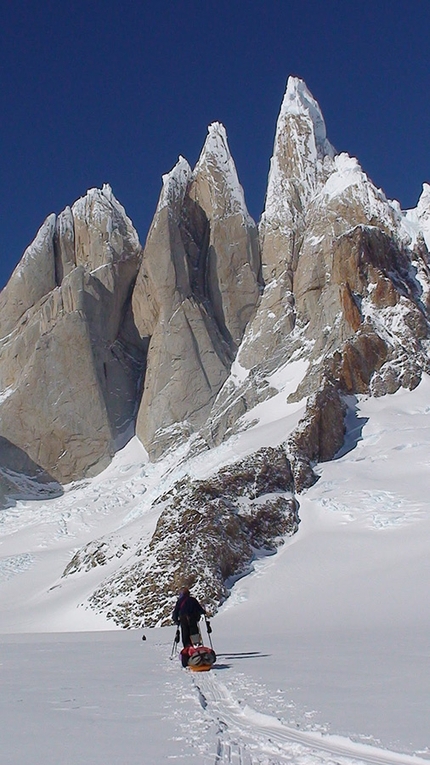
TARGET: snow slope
(323,651)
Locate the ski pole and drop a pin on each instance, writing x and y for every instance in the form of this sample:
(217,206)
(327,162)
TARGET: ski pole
(209,630)
(175,643)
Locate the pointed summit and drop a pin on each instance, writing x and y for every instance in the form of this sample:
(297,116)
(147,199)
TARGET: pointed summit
(199,278)
(300,153)
(67,336)
(217,166)
(174,186)
(216,142)
(299,101)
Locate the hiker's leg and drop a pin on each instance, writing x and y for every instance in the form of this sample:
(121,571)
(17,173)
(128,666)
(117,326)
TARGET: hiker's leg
(185,630)
(194,632)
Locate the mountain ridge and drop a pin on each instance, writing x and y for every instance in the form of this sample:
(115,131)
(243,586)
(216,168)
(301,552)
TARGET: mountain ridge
(187,340)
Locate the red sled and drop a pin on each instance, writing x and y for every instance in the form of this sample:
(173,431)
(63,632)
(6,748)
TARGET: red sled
(198,658)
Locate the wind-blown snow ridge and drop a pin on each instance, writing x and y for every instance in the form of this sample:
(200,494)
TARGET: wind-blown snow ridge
(215,159)
(347,172)
(174,186)
(299,101)
(92,206)
(417,220)
(301,156)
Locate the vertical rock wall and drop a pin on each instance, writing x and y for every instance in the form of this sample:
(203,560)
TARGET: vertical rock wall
(71,359)
(196,290)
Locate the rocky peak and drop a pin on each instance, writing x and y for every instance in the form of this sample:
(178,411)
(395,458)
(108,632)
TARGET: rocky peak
(300,155)
(232,252)
(71,358)
(174,187)
(299,102)
(215,178)
(343,289)
(186,343)
(337,277)
(199,278)
(103,232)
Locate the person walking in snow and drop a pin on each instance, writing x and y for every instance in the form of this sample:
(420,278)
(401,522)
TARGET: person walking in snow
(187,613)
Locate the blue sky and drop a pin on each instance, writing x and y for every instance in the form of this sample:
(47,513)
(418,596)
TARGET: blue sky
(96,92)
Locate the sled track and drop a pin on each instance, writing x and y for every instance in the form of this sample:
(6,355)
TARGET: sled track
(247,737)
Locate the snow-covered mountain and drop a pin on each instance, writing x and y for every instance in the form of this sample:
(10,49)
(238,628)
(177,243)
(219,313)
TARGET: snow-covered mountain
(232,352)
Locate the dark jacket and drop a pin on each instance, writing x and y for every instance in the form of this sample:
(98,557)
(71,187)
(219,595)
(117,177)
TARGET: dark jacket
(187,607)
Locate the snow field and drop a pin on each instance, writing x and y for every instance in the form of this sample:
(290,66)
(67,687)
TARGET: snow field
(323,650)
(104,698)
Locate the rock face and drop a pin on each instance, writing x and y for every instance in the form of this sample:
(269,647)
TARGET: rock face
(346,275)
(337,276)
(197,288)
(71,358)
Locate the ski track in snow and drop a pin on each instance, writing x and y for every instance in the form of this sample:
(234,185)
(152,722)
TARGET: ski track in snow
(243,736)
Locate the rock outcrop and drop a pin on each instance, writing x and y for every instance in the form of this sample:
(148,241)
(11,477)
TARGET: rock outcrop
(71,358)
(318,436)
(207,535)
(210,531)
